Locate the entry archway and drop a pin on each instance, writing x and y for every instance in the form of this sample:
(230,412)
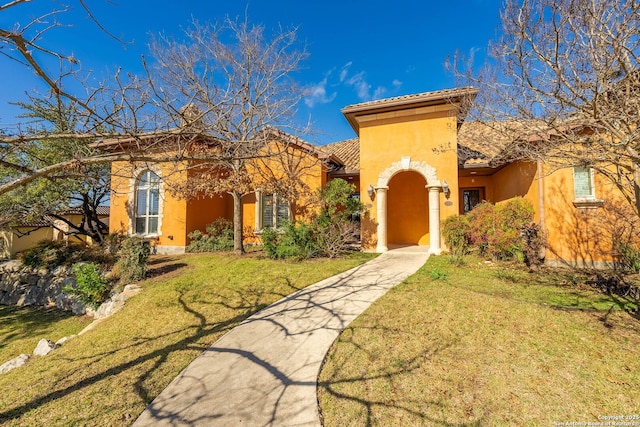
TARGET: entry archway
(433,187)
(407,209)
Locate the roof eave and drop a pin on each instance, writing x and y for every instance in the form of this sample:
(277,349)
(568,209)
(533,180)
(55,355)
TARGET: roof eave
(427,99)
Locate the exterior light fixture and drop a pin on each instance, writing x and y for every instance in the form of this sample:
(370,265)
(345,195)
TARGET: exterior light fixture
(371,192)
(445,189)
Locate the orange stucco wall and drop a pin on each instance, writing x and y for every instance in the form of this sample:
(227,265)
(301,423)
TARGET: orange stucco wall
(408,209)
(203,210)
(173,222)
(426,134)
(584,235)
(180,215)
(518,179)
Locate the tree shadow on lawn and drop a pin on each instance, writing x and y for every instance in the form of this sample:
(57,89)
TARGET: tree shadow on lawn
(24,322)
(157,355)
(140,358)
(337,384)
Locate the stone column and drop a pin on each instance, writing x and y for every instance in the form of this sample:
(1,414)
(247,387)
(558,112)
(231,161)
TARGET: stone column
(434,219)
(381,199)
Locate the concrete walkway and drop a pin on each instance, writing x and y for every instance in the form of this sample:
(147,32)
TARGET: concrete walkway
(264,371)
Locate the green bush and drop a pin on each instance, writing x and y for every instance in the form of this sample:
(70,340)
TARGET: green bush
(92,288)
(47,254)
(292,241)
(495,231)
(132,259)
(219,237)
(327,234)
(627,257)
(455,231)
(50,254)
(270,242)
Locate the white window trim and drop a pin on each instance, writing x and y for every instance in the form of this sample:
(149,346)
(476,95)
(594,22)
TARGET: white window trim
(586,201)
(132,201)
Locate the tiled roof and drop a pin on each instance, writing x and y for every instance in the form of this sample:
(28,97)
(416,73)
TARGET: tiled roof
(77,210)
(488,142)
(479,144)
(438,94)
(348,151)
(47,220)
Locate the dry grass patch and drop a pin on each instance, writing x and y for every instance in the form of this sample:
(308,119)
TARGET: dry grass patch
(108,375)
(483,345)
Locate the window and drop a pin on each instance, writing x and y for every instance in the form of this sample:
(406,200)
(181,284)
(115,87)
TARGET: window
(583,187)
(471,197)
(147,206)
(274,211)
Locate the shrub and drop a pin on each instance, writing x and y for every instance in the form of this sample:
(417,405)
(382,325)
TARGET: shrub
(92,288)
(334,228)
(455,230)
(50,254)
(495,231)
(533,243)
(482,225)
(219,237)
(336,238)
(293,241)
(47,254)
(329,233)
(132,259)
(270,242)
(627,257)
(297,241)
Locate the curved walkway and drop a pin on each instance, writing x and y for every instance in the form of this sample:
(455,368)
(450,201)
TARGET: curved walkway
(264,371)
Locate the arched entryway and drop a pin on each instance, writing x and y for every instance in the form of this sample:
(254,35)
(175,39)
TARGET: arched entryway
(408,209)
(388,210)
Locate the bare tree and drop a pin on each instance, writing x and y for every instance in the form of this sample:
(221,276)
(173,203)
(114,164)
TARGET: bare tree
(562,83)
(207,100)
(233,85)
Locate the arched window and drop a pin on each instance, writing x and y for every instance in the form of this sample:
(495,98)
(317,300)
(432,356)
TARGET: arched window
(147,203)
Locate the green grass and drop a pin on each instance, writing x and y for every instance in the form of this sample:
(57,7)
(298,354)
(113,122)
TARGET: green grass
(484,345)
(22,327)
(108,375)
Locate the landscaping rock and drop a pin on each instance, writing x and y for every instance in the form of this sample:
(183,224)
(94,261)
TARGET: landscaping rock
(14,363)
(24,286)
(44,347)
(116,302)
(64,340)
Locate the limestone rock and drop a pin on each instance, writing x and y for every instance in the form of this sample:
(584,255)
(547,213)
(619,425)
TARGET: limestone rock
(64,340)
(44,347)
(14,363)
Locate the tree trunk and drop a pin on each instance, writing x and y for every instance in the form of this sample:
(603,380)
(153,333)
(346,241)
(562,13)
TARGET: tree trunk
(636,186)
(238,247)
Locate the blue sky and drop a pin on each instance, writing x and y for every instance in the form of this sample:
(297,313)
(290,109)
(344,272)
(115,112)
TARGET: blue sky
(359,50)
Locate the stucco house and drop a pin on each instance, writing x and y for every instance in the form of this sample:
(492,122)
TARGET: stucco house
(18,237)
(414,162)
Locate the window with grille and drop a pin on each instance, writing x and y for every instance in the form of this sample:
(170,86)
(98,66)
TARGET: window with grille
(147,204)
(275,211)
(583,187)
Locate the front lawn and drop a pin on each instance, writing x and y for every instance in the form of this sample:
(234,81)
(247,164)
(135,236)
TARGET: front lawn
(484,344)
(108,375)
